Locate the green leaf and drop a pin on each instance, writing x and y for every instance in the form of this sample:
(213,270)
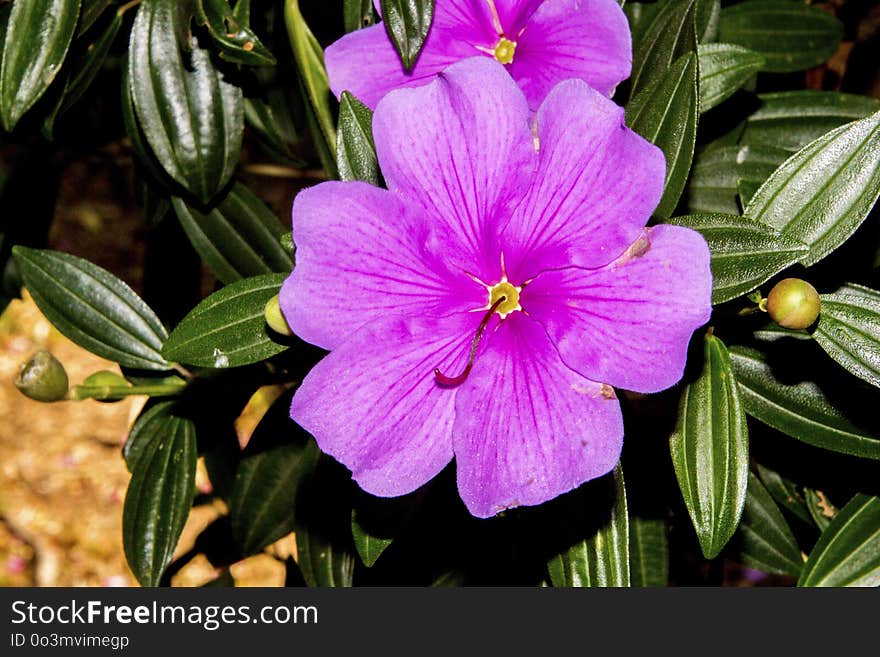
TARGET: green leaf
(822,194)
(309,58)
(744,252)
(709,450)
(407,23)
(91,11)
(849,330)
(786,493)
(160,492)
(236,41)
(191,115)
(792,119)
(848,551)
(357,14)
(355,150)
(262,504)
(820,508)
(238,238)
(666,113)
(369,547)
(602,557)
(93,308)
(798,409)
(790,35)
(648,552)
(37,38)
(149,167)
(767,542)
(671,34)
(228,329)
(724,68)
(321,563)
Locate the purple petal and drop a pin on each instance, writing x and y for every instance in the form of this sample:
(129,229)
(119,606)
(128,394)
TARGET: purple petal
(584,39)
(595,188)
(527,428)
(461,148)
(514,14)
(628,324)
(373,403)
(361,254)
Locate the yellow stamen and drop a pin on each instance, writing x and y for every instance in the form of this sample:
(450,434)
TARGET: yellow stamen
(510,294)
(504,50)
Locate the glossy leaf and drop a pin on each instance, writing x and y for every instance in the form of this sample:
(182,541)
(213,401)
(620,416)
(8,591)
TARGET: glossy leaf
(849,331)
(822,194)
(784,492)
(321,563)
(313,81)
(767,542)
(407,23)
(602,558)
(228,329)
(238,238)
(369,547)
(93,308)
(709,450)
(160,493)
(671,34)
(800,409)
(648,552)
(37,38)
(357,14)
(191,114)
(355,150)
(666,113)
(724,68)
(744,252)
(848,551)
(236,41)
(791,36)
(262,504)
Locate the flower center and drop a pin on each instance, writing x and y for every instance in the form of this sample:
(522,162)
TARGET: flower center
(504,50)
(510,294)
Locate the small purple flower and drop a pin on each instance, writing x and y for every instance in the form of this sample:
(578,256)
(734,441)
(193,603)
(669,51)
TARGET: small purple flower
(541,43)
(542,253)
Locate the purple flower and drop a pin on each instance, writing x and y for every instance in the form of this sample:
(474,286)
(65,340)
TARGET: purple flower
(542,252)
(541,42)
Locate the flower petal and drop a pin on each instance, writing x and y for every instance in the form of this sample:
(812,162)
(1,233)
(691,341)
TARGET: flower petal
(362,254)
(514,14)
(462,149)
(629,323)
(373,403)
(584,39)
(527,428)
(595,188)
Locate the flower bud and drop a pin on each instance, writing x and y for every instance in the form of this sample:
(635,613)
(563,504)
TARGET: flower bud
(274,317)
(42,378)
(793,303)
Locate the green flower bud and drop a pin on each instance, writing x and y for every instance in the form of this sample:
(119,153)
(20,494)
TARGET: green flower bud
(793,303)
(275,318)
(42,378)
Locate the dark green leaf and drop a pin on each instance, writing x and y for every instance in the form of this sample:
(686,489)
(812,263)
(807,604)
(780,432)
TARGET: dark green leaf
(849,330)
(236,41)
(407,23)
(786,493)
(798,409)
(670,35)
(262,503)
(767,542)
(709,449)
(369,547)
(820,508)
(321,563)
(602,558)
(790,35)
(93,308)
(822,193)
(149,167)
(91,11)
(357,14)
(724,68)
(160,493)
(36,43)
(191,115)
(640,15)
(792,119)
(648,552)
(355,150)
(666,114)
(228,328)
(238,238)
(744,252)
(848,551)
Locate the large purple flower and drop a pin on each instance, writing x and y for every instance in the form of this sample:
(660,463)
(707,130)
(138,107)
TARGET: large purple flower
(542,43)
(542,252)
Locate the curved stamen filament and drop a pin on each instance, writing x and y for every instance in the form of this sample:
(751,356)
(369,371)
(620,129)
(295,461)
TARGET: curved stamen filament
(444,380)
